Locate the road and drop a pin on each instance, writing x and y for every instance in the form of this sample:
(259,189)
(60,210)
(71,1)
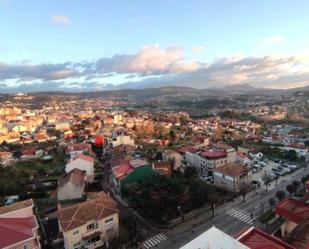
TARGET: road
(254,204)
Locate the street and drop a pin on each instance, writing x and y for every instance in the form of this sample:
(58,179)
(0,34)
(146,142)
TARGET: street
(255,203)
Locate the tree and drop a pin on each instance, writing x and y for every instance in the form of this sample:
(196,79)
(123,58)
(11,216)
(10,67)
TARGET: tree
(272,202)
(212,199)
(280,195)
(244,189)
(172,134)
(296,185)
(190,172)
(290,189)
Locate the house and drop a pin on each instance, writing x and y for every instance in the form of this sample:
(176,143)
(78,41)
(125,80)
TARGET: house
(84,163)
(211,159)
(243,158)
(231,176)
(77,149)
(294,212)
(90,224)
(129,172)
(255,238)
(256,154)
(164,168)
(5,157)
(18,226)
(71,185)
(174,156)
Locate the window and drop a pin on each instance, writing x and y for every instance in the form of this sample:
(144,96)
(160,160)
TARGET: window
(109,220)
(75,232)
(92,226)
(26,246)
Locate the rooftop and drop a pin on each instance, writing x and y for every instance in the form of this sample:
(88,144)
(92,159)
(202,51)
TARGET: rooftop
(214,239)
(15,230)
(213,154)
(232,169)
(257,239)
(75,176)
(293,210)
(79,214)
(16,206)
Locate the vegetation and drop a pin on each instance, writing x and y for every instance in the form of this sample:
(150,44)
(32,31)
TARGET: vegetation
(267,216)
(161,199)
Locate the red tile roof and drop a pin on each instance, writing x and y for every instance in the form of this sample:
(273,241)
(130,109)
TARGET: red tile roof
(257,239)
(75,176)
(213,154)
(101,206)
(232,169)
(293,210)
(187,148)
(84,157)
(122,170)
(15,230)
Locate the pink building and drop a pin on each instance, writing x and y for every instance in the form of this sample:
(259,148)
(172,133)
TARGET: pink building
(18,226)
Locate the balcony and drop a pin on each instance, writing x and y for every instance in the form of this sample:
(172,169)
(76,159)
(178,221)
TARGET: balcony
(92,240)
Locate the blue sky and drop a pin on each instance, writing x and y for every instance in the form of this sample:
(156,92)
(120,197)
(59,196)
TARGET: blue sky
(51,37)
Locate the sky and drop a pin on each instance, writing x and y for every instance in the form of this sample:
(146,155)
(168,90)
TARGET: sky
(88,45)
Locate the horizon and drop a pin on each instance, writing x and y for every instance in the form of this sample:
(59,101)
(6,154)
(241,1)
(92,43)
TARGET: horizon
(77,46)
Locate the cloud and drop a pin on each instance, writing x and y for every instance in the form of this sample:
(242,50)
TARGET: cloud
(60,19)
(148,61)
(155,66)
(198,49)
(273,39)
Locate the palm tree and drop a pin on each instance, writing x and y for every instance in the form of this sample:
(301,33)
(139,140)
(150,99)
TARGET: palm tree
(280,195)
(290,189)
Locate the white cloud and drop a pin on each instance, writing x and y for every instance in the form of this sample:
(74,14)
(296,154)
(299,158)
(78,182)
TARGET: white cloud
(198,49)
(274,39)
(60,19)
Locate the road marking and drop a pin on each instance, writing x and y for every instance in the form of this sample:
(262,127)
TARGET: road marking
(154,240)
(241,215)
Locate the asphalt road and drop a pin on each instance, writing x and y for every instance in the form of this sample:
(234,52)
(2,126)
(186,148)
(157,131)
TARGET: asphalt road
(254,204)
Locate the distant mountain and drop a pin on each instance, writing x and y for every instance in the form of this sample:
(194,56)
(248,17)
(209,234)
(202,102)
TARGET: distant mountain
(240,88)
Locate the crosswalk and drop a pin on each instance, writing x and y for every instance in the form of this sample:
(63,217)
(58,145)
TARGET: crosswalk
(154,240)
(241,215)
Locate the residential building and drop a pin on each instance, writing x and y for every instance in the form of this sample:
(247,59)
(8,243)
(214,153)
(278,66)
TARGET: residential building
(84,163)
(71,185)
(231,176)
(18,226)
(129,172)
(90,224)
(164,168)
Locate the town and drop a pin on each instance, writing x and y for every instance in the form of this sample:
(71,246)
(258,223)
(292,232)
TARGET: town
(84,171)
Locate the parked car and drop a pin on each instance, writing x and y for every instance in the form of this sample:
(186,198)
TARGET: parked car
(288,169)
(255,184)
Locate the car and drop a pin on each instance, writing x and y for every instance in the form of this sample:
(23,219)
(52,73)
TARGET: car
(275,169)
(255,184)
(292,166)
(286,168)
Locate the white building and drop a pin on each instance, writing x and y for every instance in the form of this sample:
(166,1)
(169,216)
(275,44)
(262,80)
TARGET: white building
(82,162)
